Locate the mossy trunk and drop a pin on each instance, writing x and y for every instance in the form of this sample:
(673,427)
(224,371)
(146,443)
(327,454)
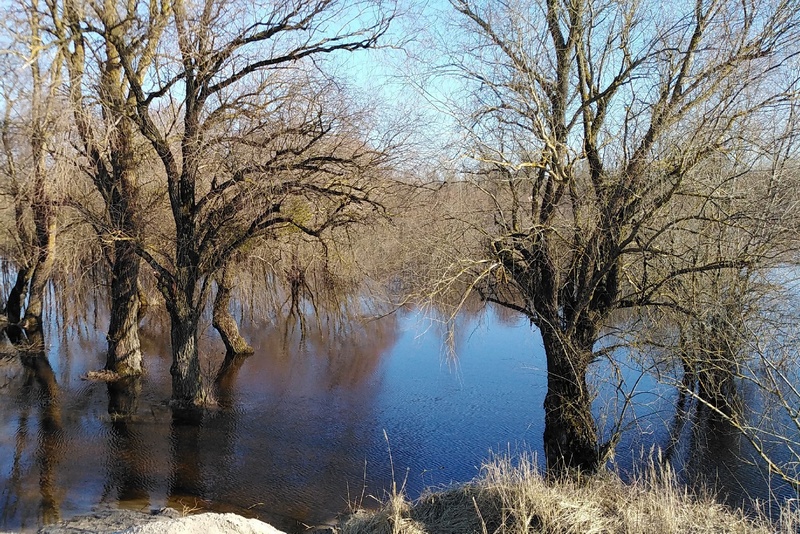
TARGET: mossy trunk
(224,322)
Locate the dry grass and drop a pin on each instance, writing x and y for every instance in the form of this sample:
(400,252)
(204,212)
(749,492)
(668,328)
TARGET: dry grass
(513,498)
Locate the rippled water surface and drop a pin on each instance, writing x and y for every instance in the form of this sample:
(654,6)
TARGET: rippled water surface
(304,428)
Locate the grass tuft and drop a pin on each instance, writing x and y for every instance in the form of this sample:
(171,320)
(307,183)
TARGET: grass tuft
(512,497)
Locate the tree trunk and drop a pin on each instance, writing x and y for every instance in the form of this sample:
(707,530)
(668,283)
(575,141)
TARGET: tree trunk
(570,433)
(124,351)
(45,257)
(223,321)
(717,384)
(18,294)
(187,386)
(42,243)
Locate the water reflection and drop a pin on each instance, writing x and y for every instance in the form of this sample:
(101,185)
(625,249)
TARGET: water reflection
(683,410)
(711,452)
(716,448)
(225,380)
(39,391)
(128,465)
(186,479)
(129,476)
(300,429)
(123,397)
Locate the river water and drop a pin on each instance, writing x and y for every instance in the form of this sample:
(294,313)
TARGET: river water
(306,427)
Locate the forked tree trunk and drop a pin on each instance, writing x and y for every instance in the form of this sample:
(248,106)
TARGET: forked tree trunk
(187,384)
(45,257)
(570,433)
(124,350)
(223,321)
(18,294)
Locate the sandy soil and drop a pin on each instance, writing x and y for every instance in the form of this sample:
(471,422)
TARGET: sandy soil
(166,521)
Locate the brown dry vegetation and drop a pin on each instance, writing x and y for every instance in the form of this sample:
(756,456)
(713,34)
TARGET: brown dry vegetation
(512,497)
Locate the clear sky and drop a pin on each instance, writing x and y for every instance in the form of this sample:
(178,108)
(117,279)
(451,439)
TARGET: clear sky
(400,77)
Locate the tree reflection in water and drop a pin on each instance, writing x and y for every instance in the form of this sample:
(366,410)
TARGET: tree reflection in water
(225,380)
(41,389)
(129,465)
(711,453)
(186,481)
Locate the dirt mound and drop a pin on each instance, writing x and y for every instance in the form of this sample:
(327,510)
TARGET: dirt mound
(166,521)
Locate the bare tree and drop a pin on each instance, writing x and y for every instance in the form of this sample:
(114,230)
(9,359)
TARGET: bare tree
(30,102)
(589,126)
(107,143)
(734,363)
(250,141)
(721,338)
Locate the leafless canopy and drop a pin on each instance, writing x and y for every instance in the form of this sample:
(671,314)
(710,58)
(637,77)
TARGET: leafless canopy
(626,151)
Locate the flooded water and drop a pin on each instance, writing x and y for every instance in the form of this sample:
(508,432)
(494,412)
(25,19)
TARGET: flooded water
(304,428)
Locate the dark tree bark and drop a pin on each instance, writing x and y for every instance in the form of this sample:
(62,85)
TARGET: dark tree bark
(124,349)
(124,354)
(123,397)
(119,185)
(570,433)
(18,294)
(187,383)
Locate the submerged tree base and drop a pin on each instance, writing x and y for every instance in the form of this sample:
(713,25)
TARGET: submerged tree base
(513,497)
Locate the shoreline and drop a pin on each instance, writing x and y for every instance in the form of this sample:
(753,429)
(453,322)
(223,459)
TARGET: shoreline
(511,496)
